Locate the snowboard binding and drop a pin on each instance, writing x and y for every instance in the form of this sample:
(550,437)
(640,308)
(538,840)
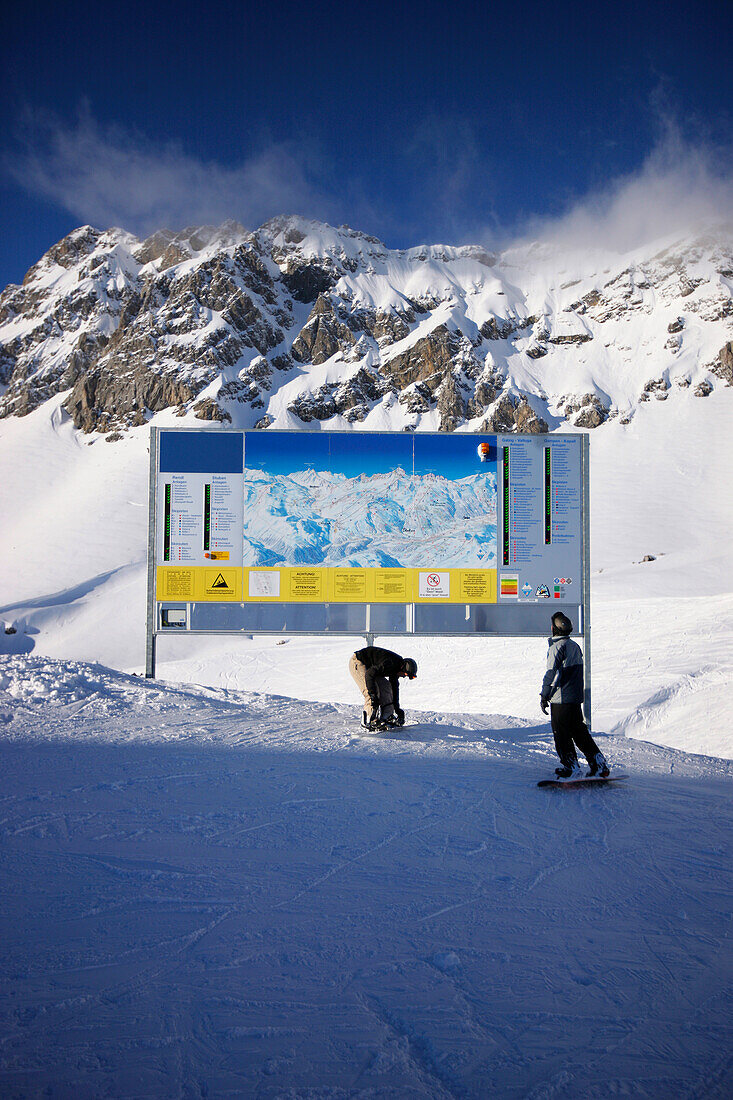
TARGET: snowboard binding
(378,724)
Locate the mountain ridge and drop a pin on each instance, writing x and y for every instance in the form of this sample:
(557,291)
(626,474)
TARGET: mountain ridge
(300,324)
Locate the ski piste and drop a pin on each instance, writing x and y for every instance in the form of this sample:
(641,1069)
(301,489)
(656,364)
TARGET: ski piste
(582,781)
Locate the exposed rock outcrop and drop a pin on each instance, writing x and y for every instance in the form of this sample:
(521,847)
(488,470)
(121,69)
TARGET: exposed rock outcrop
(497,328)
(592,414)
(513,414)
(426,361)
(351,398)
(655,387)
(450,403)
(724,366)
(208,409)
(104,398)
(485,392)
(306,282)
(322,336)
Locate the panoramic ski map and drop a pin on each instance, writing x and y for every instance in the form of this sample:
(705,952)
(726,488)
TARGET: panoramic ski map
(382,519)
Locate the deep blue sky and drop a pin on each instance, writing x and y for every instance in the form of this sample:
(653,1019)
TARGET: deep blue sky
(355,453)
(415,122)
(350,453)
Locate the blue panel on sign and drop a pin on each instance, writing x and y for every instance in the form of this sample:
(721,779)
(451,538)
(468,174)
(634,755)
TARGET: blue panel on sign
(454,455)
(200,452)
(281,452)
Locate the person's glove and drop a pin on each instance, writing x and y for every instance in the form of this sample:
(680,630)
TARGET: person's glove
(544,704)
(400,716)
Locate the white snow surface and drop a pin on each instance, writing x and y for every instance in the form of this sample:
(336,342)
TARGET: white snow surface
(214,885)
(227,893)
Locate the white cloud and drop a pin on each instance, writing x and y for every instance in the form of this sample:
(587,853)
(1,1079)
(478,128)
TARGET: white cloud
(113,177)
(680,187)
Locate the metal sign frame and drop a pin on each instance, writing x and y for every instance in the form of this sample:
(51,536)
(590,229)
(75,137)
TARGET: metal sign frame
(531,620)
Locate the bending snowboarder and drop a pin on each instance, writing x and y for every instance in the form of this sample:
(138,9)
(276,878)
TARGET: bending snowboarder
(562,689)
(377,673)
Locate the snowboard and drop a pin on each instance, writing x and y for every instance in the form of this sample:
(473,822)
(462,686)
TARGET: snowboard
(584,781)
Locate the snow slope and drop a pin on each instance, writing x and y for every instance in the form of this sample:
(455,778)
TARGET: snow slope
(214,893)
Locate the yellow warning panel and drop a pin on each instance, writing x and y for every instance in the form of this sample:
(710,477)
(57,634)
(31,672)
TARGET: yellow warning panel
(218,585)
(454,585)
(347,585)
(199,583)
(174,584)
(354,585)
(391,585)
(304,584)
(477,585)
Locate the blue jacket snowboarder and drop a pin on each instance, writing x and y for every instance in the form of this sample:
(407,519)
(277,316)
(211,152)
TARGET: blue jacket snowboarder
(562,691)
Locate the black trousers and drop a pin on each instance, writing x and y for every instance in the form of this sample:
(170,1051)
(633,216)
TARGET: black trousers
(570,732)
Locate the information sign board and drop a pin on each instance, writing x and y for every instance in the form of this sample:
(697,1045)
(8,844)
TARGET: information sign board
(364,533)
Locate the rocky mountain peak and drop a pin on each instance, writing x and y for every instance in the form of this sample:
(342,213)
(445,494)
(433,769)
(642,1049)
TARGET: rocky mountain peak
(300,322)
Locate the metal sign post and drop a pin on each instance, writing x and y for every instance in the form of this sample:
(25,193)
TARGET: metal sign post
(585,468)
(150,626)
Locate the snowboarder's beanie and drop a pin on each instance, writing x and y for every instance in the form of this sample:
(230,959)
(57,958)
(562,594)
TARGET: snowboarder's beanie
(561,624)
(409,667)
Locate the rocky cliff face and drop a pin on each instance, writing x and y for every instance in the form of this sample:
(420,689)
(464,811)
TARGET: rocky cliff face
(299,323)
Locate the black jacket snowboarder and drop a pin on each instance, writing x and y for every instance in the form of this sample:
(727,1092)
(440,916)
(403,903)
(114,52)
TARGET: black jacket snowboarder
(377,672)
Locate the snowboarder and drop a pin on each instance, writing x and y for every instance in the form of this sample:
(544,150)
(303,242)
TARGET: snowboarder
(377,673)
(562,690)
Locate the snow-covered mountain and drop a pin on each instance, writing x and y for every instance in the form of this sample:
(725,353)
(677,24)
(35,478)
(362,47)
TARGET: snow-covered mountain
(300,323)
(384,520)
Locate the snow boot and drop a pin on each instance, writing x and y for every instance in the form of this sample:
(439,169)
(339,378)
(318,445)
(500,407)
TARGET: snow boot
(392,722)
(568,771)
(598,766)
(374,725)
